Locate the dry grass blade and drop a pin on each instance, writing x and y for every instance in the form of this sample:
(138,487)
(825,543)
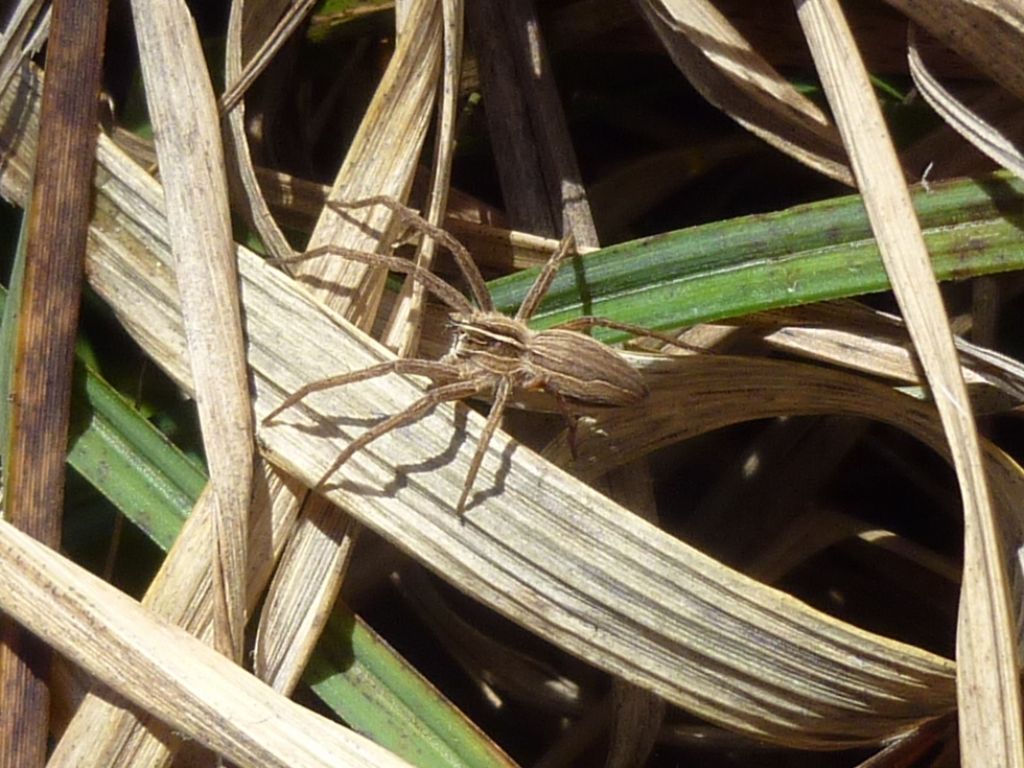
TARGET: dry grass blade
(293,16)
(856,337)
(297,606)
(166,671)
(637,715)
(36,426)
(987,672)
(104,732)
(381,160)
(997,140)
(187,126)
(722,66)
(540,179)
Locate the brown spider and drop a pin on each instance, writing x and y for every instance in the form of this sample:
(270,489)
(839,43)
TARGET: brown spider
(490,352)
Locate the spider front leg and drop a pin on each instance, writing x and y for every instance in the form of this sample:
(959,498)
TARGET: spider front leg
(458,390)
(434,370)
(501,395)
(543,282)
(412,219)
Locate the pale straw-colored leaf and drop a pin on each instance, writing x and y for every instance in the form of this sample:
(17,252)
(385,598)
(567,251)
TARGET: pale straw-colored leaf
(999,140)
(859,338)
(380,161)
(988,685)
(720,63)
(103,732)
(188,141)
(636,714)
(770,389)
(166,671)
(279,659)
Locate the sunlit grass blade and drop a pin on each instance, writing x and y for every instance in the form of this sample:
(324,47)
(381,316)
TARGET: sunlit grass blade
(351,665)
(797,256)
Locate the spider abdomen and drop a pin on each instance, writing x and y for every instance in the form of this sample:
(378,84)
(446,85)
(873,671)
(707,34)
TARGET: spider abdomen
(582,370)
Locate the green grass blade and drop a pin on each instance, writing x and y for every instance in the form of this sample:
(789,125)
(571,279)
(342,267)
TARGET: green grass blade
(801,255)
(127,459)
(353,667)
(8,331)
(131,462)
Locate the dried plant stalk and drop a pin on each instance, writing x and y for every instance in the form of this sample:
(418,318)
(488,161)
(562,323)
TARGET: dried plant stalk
(988,672)
(46,324)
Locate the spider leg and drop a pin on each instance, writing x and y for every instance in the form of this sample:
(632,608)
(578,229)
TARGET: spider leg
(589,321)
(458,390)
(544,279)
(414,220)
(501,395)
(430,281)
(433,369)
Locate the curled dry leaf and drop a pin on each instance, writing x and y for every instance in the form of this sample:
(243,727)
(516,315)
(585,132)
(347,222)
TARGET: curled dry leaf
(991,125)
(985,32)
(720,63)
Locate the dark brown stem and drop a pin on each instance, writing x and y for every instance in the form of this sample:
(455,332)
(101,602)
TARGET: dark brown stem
(41,379)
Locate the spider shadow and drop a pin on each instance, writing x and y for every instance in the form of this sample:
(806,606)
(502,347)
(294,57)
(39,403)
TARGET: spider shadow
(403,471)
(347,215)
(325,285)
(496,485)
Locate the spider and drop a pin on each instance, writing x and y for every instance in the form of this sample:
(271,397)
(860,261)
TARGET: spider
(490,352)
